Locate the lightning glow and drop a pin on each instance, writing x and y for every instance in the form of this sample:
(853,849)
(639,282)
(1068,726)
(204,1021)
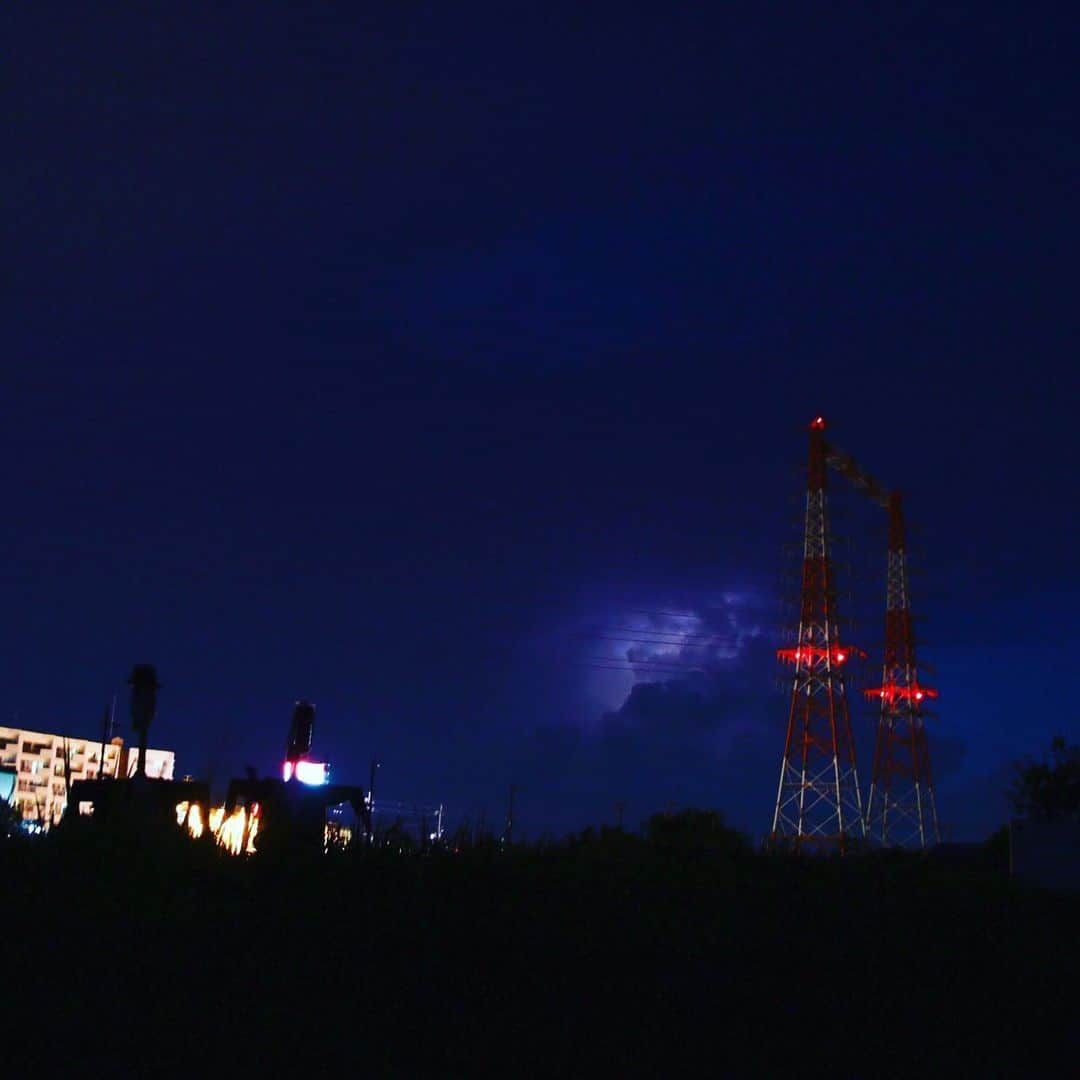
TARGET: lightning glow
(625,647)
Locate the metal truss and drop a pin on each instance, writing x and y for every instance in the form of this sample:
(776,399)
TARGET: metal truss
(901,809)
(818,801)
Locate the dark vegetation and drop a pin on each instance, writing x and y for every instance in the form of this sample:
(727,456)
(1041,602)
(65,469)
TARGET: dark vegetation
(616,953)
(1049,790)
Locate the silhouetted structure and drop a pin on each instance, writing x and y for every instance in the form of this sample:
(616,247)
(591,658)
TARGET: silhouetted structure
(300,732)
(292,816)
(144,688)
(139,802)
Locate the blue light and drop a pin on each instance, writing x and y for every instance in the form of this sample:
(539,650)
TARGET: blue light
(312,773)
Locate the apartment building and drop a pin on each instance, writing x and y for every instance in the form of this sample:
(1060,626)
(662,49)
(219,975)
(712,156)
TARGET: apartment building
(41,771)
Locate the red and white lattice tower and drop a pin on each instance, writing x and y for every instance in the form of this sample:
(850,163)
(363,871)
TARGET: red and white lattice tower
(818,804)
(901,808)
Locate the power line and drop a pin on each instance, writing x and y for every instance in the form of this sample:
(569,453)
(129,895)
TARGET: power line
(605,627)
(704,644)
(646,667)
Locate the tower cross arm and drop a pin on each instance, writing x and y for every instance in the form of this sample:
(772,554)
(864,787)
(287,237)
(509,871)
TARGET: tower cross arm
(847,466)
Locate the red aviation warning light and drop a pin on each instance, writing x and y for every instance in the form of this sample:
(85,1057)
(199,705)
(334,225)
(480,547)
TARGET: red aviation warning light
(894,692)
(810,655)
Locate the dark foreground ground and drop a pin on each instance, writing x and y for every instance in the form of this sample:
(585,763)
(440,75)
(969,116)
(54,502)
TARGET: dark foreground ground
(610,958)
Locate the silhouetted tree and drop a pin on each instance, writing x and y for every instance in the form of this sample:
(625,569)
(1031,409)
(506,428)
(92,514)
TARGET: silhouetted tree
(10,821)
(1049,790)
(398,838)
(694,832)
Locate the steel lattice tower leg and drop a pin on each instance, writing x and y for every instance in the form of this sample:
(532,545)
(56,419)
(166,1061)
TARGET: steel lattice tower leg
(901,808)
(818,803)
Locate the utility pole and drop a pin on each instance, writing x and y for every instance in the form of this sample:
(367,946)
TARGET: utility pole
(375,763)
(107,721)
(67,773)
(508,833)
(619,807)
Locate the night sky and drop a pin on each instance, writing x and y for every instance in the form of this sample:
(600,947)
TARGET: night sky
(422,360)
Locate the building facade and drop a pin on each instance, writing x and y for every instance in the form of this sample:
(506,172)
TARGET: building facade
(43,764)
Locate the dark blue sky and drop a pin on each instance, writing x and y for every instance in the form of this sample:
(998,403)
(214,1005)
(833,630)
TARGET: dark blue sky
(394,359)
